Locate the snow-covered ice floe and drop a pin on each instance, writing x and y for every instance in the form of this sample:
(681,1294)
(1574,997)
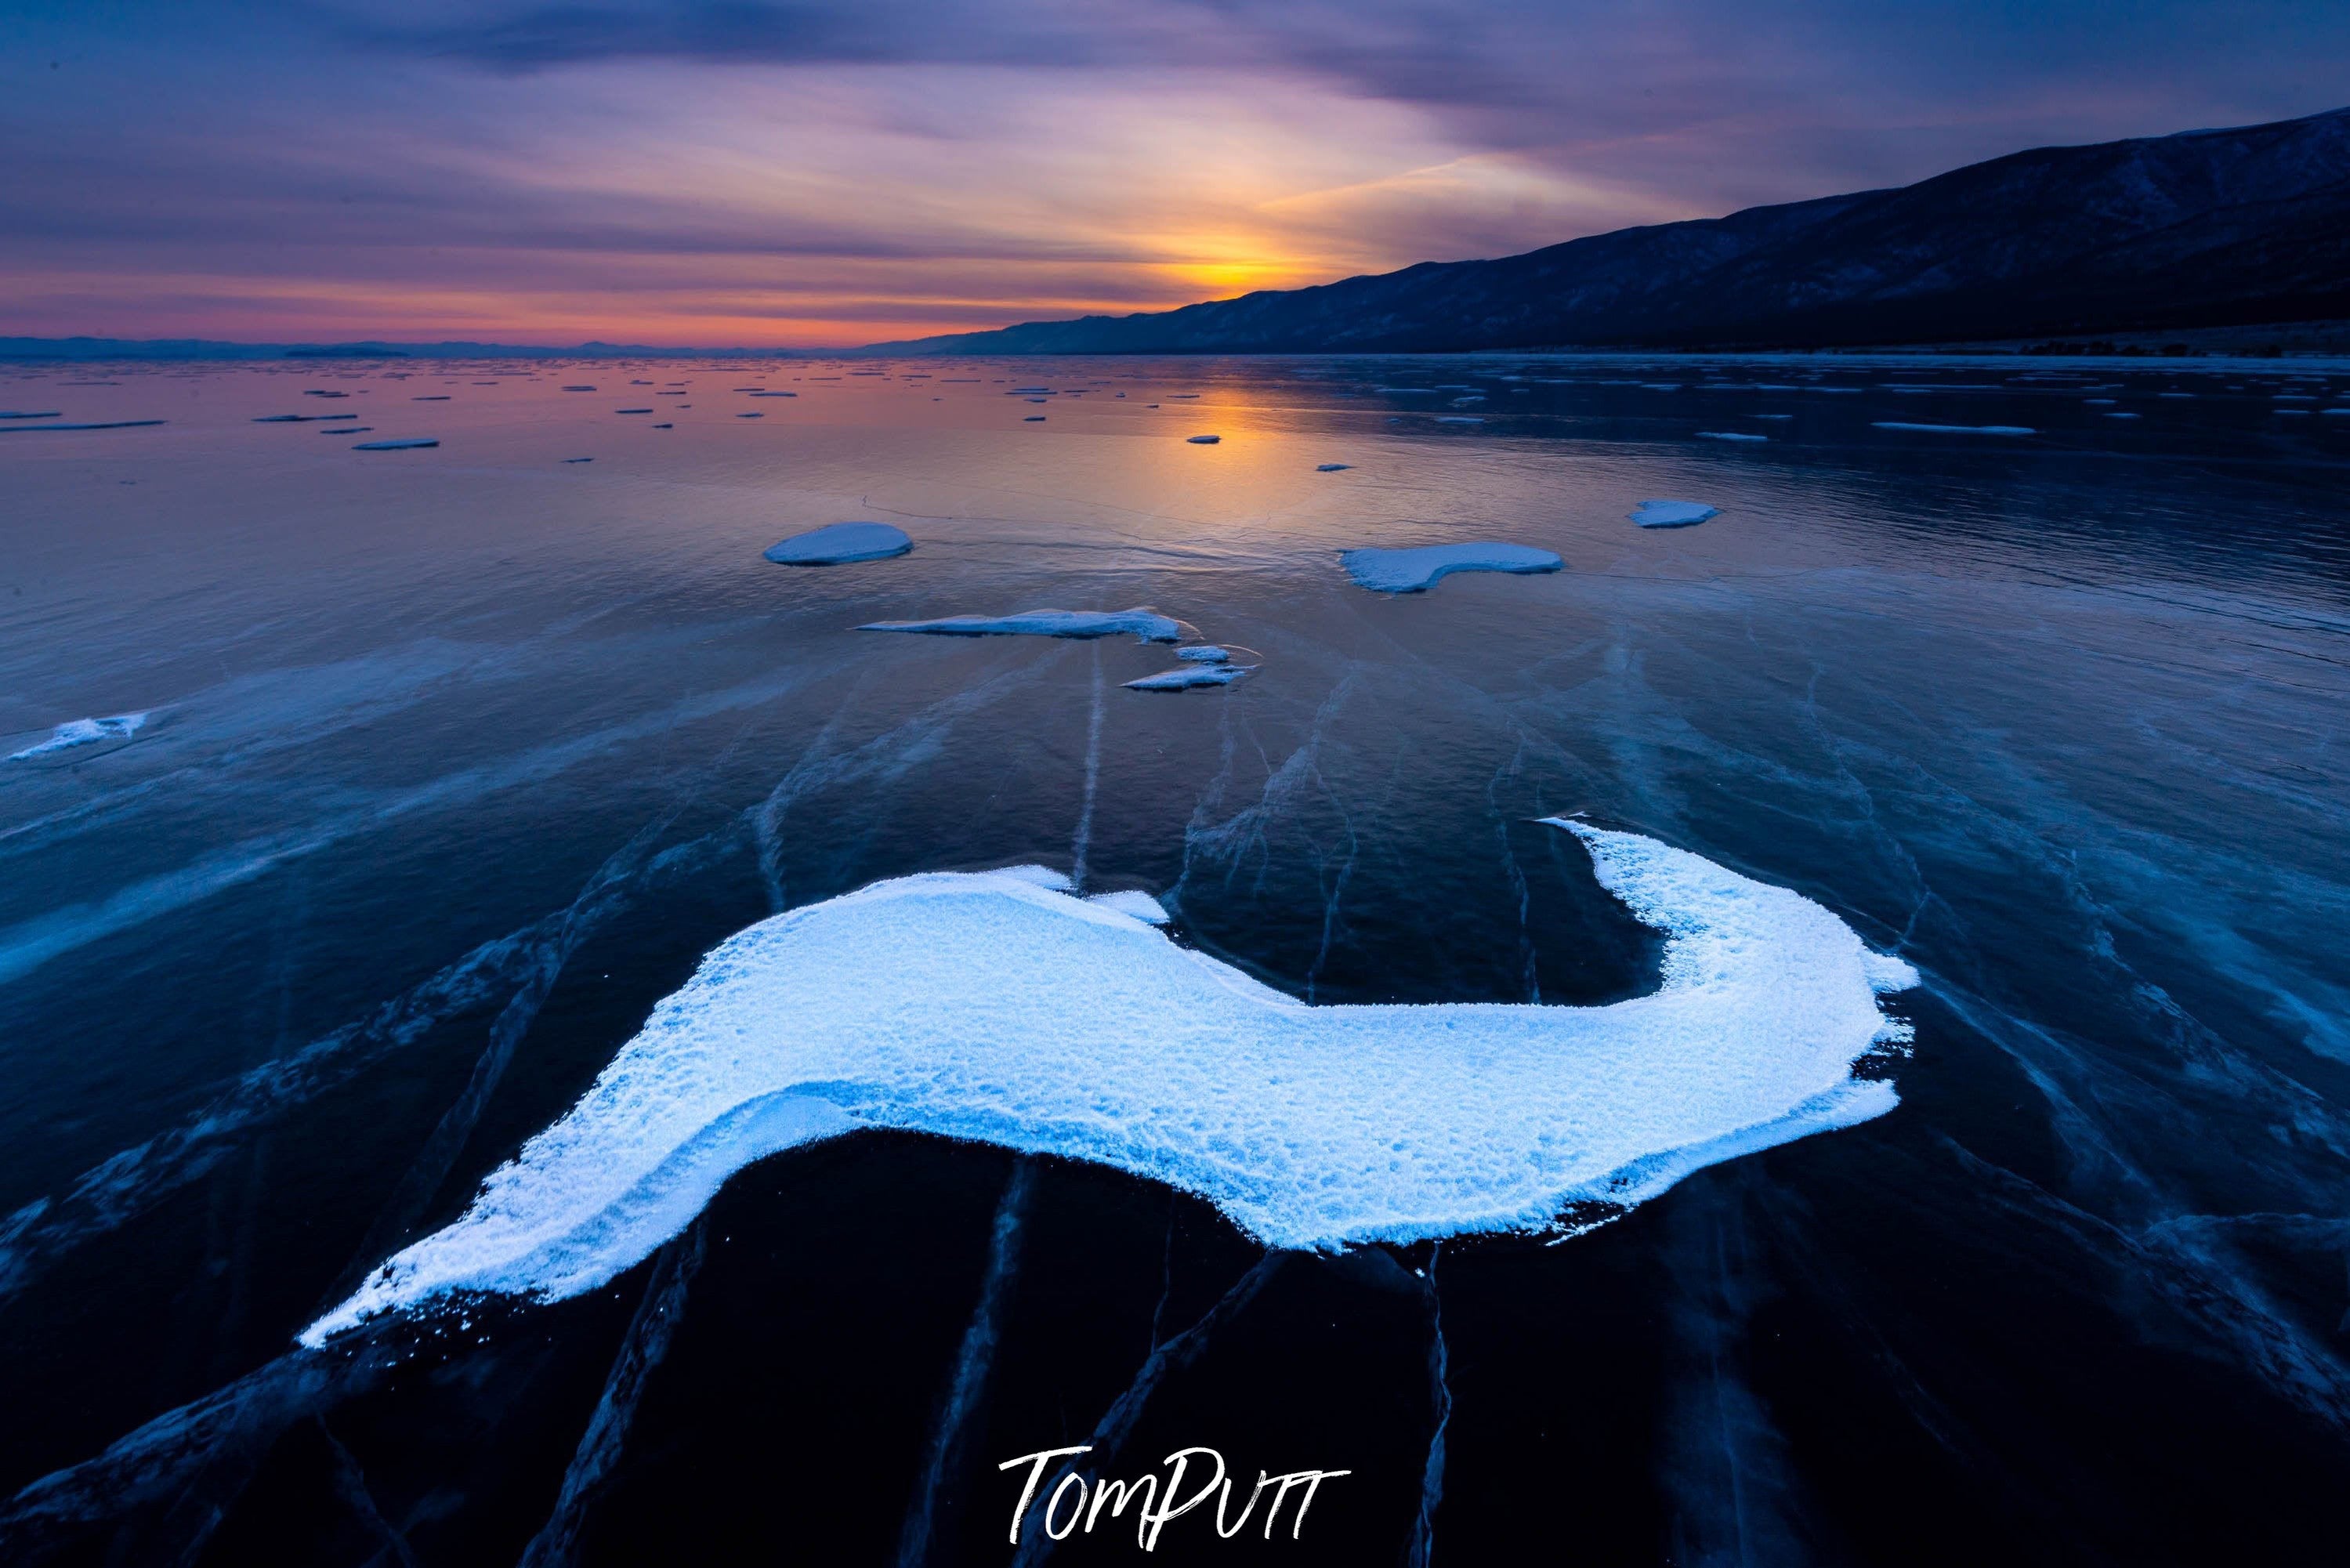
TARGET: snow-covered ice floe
(1203,439)
(1148,625)
(1410,571)
(837,543)
(991,1006)
(1191,676)
(1206,653)
(83,732)
(405,444)
(1672,513)
(1955,429)
(1729,435)
(1332,467)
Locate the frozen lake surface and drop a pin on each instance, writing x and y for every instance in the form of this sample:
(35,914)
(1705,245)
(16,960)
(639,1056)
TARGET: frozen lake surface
(357,812)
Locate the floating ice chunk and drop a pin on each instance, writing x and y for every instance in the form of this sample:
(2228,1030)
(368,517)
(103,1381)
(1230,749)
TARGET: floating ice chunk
(2096,402)
(1458,420)
(836,543)
(1203,439)
(84,733)
(403,444)
(97,425)
(1191,676)
(1033,419)
(21,414)
(665,427)
(1661,386)
(1021,1016)
(1729,435)
(1954,429)
(1332,467)
(1148,625)
(2335,413)
(1206,653)
(751,416)
(430,397)
(1410,571)
(1672,513)
(578,460)
(579,389)
(1141,905)
(754,394)
(348,430)
(632,411)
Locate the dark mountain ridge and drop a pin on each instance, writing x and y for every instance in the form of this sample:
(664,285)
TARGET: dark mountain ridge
(2205,228)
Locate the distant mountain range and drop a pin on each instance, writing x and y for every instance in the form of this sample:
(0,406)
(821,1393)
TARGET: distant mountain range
(2208,228)
(81,348)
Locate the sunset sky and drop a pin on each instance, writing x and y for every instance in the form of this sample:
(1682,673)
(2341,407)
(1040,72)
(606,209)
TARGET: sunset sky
(816,173)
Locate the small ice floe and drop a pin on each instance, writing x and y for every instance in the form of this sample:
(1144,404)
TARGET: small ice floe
(350,429)
(664,427)
(751,416)
(1769,416)
(2288,414)
(1032,418)
(1954,429)
(1189,677)
(1672,513)
(2335,413)
(1203,439)
(1729,435)
(405,444)
(1332,467)
(1206,653)
(578,460)
(632,411)
(97,425)
(21,414)
(2107,402)
(837,543)
(1148,625)
(430,397)
(579,389)
(1017,1014)
(2133,416)
(1458,420)
(754,394)
(83,732)
(1661,386)
(1415,570)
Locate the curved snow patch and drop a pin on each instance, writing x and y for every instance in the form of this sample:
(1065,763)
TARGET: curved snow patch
(83,732)
(837,544)
(1410,571)
(1010,1013)
(1672,513)
(1148,625)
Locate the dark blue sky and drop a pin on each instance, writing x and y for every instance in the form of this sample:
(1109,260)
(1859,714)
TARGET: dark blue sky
(823,173)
